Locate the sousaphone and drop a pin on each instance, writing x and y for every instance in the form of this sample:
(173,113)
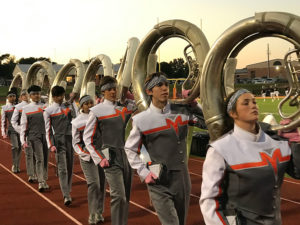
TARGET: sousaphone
(145,60)
(217,77)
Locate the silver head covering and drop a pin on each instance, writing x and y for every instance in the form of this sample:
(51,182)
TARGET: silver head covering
(155,81)
(234,98)
(11,95)
(84,99)
(108,86)
(23,92)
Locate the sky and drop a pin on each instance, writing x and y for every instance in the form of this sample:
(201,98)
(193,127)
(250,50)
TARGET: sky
(82,29)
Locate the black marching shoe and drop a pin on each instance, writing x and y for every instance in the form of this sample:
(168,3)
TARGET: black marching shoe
(14,169)
(99,218)
(92,219)
(30,179)
(41,187)
(67,200)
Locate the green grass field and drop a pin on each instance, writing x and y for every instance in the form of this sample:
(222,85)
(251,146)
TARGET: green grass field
(268,107)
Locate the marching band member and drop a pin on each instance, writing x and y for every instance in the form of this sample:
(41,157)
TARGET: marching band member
(8,131)
(244,169)
(15,121)
(94,174)
(32,134)
(58,117)
(162,129)
(106,123)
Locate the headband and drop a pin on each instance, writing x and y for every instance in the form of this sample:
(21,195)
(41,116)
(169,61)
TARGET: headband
(155,81)
(108,86)
(11,95)
(34,92)
(234,98)
(23,92)
(84,99)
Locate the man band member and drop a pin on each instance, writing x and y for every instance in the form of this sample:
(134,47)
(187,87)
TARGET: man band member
(58,119)
(162,129)
(8,131)
(109,118)
(32,134)
(15,121)
(94,174)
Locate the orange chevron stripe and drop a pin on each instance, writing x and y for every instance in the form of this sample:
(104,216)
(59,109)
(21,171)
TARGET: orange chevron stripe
(38,111)
(265,160)
(118,113)
(170,124)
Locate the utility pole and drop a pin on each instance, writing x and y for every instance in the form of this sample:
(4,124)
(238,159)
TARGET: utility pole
(200,24)
(158,51)
(268,54)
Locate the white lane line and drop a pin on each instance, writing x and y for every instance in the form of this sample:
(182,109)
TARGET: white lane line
(288,200)
(196,196)
(196,160)
(134,203)
(198,175)
(42,196)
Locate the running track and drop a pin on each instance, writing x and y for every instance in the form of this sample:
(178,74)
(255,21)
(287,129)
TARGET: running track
(22,204)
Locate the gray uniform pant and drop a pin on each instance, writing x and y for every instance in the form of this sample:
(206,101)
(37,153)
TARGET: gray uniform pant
(64,161)
(16,148)
(95,179)
(119,181)
(41,153)
(30,161)
(171,201)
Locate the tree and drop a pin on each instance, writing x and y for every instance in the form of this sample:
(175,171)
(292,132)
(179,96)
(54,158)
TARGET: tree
(7,65)
(179,68)
(166,68)
(32,60)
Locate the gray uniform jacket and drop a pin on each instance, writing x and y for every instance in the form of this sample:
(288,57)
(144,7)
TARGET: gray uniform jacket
(242,176)
(32,122)
(78,126)
(163,132)
(16,117)
(58,120)
(6,114)
(110,120)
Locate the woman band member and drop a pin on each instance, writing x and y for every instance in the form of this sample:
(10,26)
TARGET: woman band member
(244,169)
(94,174)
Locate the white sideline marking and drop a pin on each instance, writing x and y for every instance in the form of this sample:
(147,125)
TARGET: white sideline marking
(196,160)
(42,196)
(198,175)
(288,200)
(196,196)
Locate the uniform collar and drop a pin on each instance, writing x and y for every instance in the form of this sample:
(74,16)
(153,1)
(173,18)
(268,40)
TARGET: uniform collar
(35,103)
(107,102)
(165,110)
(245,135)
(10,104)
(56,104)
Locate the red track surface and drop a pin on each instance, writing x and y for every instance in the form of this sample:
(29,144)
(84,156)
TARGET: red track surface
(21,203)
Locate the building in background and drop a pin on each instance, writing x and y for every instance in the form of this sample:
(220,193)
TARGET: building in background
(264,71)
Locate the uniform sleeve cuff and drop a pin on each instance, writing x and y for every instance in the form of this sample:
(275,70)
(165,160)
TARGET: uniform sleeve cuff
(143,173)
